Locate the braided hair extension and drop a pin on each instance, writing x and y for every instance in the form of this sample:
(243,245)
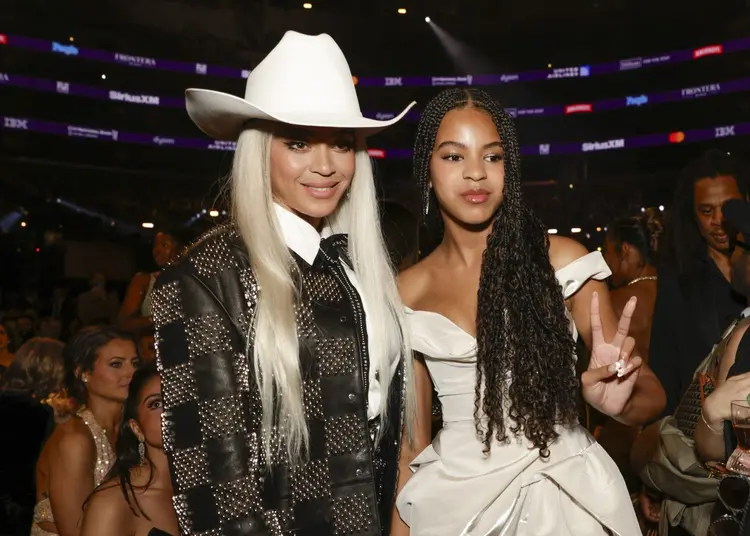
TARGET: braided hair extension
(522,329)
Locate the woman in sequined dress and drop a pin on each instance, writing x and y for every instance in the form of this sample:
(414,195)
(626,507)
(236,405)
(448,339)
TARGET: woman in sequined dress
(99,364)
(136,499)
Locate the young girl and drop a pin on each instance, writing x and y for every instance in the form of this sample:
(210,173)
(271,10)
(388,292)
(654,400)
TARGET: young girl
(495,310)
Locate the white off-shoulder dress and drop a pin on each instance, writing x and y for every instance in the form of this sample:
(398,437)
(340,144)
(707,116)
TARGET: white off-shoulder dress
(457,490)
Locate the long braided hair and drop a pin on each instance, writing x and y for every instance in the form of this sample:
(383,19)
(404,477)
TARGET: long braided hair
(522,329)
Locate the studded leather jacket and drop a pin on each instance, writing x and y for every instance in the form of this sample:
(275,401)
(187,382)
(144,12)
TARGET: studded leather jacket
(203,307)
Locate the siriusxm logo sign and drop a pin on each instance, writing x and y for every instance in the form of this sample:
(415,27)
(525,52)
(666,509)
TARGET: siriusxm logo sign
(640,100)
(504,78)
(245,73)
(135,99)
(201,68)
(584,70)
(513,112)
(68,50)
(544,149)
(603,145)
(4,77)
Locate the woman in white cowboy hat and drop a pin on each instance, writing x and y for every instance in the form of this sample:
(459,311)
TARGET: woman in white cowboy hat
(278,335)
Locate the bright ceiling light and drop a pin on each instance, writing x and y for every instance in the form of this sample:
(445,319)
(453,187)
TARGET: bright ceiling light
(575,230)
(427,20)
(552,231)
(147,225)
(402,11)
(104,77)
(213,213)
(71,39)
(307,5)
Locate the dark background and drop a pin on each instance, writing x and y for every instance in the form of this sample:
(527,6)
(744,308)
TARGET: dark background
(131,184)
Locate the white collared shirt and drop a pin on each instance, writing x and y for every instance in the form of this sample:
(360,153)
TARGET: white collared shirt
(304,240)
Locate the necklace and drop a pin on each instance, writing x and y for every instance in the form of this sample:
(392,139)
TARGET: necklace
(644,278)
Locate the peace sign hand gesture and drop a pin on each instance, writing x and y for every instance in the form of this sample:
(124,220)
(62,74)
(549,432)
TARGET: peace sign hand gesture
(609,381)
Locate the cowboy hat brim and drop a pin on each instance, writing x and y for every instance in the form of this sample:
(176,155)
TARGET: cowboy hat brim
(223,116)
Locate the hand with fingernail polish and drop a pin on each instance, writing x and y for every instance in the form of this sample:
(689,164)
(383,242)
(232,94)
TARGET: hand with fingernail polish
(613,370)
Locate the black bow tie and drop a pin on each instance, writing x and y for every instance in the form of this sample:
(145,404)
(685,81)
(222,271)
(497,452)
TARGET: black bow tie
(336,247)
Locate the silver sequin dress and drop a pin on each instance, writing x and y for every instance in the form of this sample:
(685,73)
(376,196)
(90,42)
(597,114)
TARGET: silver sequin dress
(104,460)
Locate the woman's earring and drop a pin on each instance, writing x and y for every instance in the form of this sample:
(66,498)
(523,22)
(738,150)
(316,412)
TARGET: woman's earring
(142,451)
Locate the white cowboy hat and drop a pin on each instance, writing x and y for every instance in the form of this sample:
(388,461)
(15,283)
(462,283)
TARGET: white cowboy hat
(305,80)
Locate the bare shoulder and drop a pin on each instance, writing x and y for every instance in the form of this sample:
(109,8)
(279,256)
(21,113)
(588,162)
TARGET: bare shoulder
(73,438)
(108,495)
(413,282)
(563,251)
(141,279)
(106,509)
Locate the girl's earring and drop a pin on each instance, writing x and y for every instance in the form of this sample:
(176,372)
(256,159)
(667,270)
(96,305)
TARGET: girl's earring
(142,451)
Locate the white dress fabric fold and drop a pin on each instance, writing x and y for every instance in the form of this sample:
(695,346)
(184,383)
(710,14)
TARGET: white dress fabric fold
(457,490)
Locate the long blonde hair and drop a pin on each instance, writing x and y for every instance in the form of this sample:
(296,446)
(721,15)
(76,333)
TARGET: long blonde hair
(276,346)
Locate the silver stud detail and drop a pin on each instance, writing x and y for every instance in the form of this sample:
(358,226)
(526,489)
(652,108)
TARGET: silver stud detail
(352,515)
(221,417)
(191,468)
(178,385)
(336,356)
(237,498)
(310,481)
(206,335)
(345,435)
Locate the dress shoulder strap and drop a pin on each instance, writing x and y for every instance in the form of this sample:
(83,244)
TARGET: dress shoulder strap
(105,458)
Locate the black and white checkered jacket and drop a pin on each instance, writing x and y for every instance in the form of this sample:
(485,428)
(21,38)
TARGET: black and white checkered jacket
(202,308)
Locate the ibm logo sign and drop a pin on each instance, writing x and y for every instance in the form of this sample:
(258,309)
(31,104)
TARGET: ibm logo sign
(18,124)
(544,149)
(391,81)
(201,68)
(63,87)
(724,132)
